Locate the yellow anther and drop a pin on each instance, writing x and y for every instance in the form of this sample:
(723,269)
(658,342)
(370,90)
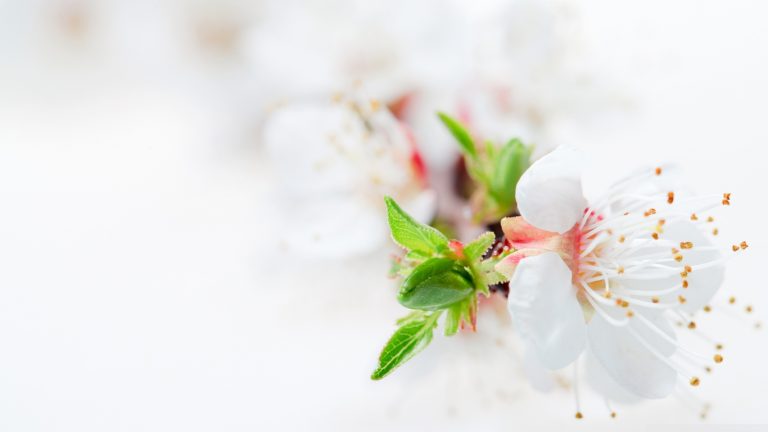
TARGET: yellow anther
(710,219)
(686,245)
(579,415)
(719,347)
(630,314)
(715,231)
(695,381)
(685,283)
(694,217)
(748,309)
(655,299)
(735,248)
(613,414)
(621,239)
(692,325)
(678,257)
(732,300)
(375,105)
(726,199)
(620,270)
(718,358)
(743,245)
(670,197)
(683,274)
(651,211)
(688,268)
(658,171)
(681,299)
(707,308)
(655,236)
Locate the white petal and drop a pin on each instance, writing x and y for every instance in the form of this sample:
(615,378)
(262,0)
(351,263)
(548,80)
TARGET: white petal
(599,379)
(549,194)
(540,378)
(631,364)
(331,226)
(544,309)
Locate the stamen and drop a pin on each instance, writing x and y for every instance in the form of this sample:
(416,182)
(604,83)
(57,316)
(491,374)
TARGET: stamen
(686,245)
(695,381)
(658,171)
(726,199)
(576,389)
(670,197)
(718,358)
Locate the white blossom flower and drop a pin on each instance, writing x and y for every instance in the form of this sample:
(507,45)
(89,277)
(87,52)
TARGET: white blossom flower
(608,276)
(334,162)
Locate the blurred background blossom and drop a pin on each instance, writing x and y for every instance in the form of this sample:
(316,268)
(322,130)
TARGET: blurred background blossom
(148,275)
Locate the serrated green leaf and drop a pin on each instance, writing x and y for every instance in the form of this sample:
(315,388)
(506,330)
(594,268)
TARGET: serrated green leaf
(479,246)
(412,235)
(460,133)
(405,343)
(511,162)
(435,284)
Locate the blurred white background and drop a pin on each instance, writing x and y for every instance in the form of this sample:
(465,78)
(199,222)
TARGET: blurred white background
(143,285)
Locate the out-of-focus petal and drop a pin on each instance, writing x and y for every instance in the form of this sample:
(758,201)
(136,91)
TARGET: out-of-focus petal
(544,309)
(628,361)
(549,194)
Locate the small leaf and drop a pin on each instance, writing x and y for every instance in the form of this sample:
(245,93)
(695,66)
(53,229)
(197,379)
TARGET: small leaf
(453,318)
(479,246)
(512,161)
(412,235)
(405,343)
(413,316)
(460,133)
(435,284)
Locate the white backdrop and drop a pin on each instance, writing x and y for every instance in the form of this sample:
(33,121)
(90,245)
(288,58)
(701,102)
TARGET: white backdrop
(140,288)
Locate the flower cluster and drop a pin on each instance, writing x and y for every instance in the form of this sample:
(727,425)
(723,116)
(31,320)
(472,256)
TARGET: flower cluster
(603,280)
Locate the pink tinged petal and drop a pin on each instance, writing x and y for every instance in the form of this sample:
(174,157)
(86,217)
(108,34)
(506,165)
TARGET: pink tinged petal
(508,265)
(521,234)
(543,306)
(549,194)
(628,361)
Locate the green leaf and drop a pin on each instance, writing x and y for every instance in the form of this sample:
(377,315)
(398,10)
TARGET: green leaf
(413,316)
(405,343)
(512,161)
(412,235)
(453,318)
(435,284)
(460,133)
(479,246)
